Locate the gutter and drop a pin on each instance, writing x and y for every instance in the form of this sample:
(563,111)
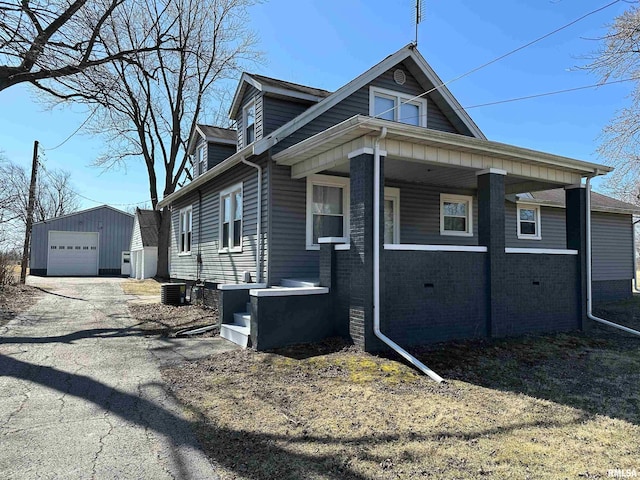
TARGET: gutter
(376,267)
(259,217)
(590,314)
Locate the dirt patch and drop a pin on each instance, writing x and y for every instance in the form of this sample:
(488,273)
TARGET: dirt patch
(145,287)
(167,320)
(15,299)
(557,406)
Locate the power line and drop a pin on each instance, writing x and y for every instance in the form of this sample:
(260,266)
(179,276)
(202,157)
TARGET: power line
(501,57)
(546,94)
(74,132)
(48,174)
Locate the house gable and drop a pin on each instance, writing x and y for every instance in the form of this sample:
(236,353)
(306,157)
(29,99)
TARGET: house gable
(349,100)
(358,103)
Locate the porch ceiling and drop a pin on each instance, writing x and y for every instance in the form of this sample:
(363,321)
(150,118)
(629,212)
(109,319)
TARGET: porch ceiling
(330,148)
(440,176)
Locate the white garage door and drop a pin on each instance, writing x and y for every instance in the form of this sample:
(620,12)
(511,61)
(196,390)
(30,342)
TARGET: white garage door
(73,253)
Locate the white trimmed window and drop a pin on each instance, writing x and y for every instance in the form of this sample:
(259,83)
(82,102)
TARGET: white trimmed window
(202,159)
(529,222)
(397,107)
(249,121)
(327,208)
(391,215)
(456,215)
(185,229)
(231,219)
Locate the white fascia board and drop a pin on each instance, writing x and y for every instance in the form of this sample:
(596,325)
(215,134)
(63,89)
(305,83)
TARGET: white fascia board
(409,132)
(193,141)
(223,166)
(235,104)
(336,97)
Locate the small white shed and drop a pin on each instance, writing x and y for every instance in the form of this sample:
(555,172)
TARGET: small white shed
(144,244)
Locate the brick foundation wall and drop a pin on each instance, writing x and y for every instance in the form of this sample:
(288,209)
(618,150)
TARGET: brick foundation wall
(537,293)
(434,296)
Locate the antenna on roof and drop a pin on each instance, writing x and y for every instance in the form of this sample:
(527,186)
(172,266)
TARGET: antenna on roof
(419,14)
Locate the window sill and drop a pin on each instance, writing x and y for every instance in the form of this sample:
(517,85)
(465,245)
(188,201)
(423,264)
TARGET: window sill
(184,254)
(313,247)
(230,250)
(456,234)
(529,237)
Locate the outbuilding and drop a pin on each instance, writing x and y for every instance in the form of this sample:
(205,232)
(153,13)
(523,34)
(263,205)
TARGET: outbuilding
(87,243)
(144,244)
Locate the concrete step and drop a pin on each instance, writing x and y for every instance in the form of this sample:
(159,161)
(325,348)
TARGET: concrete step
(237,334)
(243,319)
(300,282)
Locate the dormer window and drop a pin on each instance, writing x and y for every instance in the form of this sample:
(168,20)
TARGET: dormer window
(250,123)
(202,159)
(397,107)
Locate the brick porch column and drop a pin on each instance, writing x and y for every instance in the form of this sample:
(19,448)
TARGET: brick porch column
(491,234)
(576,225)
(361,238)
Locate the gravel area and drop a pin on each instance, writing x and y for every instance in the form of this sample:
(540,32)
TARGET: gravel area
(169,320)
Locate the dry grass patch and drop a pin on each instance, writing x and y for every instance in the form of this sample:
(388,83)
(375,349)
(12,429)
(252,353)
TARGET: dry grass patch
(167,320)
(562,406)
(148,286)
(15,299)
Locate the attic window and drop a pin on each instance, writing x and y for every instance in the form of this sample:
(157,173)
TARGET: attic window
(397,107)
(250,123)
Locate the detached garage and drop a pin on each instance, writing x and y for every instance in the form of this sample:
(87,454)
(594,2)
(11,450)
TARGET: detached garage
(86,243)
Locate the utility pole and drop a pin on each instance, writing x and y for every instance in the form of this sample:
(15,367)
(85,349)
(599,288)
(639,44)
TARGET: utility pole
(32,201)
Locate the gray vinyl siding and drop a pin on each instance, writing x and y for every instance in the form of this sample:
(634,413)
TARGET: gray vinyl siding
(420,215)
(552,228)
(251,93)
(114,227)
(219,152)
(358,104)
(277,112)
(221,267)
(289,257)
(612,246)
(136,236)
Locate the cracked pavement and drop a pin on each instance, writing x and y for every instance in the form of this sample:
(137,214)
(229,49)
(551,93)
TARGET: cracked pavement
(81,394)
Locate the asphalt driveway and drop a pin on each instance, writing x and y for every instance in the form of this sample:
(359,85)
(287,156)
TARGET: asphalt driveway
(81,394)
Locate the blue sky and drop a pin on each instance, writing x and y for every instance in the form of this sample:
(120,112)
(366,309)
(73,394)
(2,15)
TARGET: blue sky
(326,43)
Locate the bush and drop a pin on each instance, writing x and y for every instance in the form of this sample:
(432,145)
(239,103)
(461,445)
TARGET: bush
(6,270)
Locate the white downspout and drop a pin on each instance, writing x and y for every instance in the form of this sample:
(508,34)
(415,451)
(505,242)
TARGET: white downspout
(259,217)
(635,260)
(590,314)
(376,267)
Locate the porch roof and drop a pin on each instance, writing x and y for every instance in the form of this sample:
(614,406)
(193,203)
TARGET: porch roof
(330,148)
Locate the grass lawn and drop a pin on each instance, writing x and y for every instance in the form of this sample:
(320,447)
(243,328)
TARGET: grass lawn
(148,286)
(548,407)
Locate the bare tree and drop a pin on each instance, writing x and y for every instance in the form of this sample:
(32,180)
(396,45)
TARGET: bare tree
(54,197)
(148,110)
(50,39)
(619,58)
